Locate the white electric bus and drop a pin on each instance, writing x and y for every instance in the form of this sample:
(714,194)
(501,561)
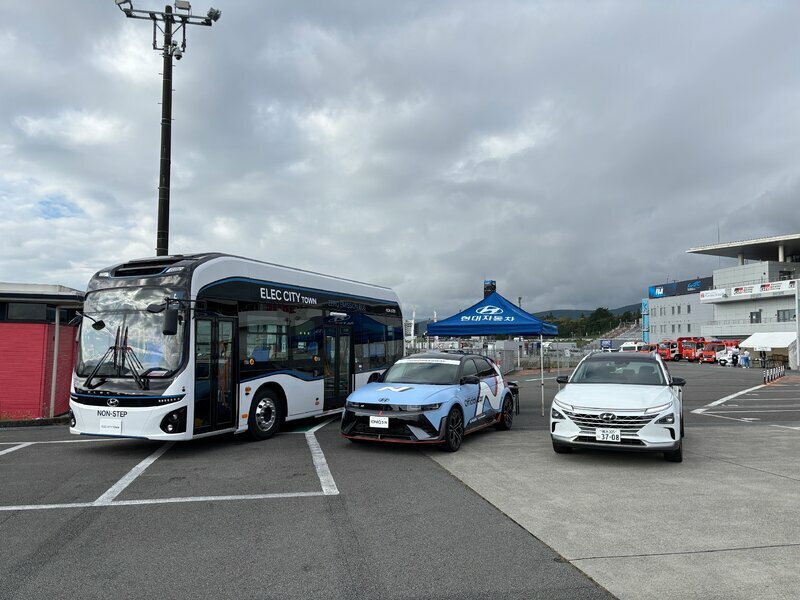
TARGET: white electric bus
(178,347)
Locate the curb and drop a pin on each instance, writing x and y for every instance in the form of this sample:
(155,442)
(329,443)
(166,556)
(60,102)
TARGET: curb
(62,420)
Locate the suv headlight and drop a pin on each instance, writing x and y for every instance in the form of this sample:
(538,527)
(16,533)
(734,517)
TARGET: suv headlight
(658,409)
(562,404)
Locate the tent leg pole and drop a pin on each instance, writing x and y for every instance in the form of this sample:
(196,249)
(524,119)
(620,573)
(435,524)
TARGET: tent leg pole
(541,367)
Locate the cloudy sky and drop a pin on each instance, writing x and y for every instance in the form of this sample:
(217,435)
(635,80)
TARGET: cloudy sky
(572,151)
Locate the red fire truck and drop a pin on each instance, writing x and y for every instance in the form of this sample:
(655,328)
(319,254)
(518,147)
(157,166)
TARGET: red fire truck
(668,350)
(709,352)
(689,347)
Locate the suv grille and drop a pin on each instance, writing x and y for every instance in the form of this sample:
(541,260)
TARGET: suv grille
(627,423)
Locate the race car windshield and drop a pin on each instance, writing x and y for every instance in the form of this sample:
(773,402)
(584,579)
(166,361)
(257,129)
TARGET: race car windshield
(422,373)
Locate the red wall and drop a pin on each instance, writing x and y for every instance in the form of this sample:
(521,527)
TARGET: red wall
(26,369)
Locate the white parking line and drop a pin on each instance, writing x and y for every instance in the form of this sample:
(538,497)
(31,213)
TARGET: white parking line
(71,441)
(15,448)
(116,489)
(326,480)
(703,409)
(320,464)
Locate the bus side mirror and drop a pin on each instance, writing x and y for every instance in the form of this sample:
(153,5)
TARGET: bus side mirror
(170,321)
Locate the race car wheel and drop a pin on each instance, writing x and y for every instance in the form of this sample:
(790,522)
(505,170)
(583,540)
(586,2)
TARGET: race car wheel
(507,415)
(453,430)
(266,416)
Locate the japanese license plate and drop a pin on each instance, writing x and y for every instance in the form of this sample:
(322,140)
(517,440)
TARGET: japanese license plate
(379,422)
(606,435)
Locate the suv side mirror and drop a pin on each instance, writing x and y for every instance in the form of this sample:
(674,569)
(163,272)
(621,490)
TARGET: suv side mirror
(562,379)
(375,377)
(679,381)
(470,380)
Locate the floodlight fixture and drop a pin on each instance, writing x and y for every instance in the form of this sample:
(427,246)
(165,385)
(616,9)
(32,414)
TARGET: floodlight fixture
(169,24)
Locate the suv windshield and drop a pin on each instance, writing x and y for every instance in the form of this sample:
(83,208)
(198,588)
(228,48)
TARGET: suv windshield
(124,311)
(618,371)
(422,371)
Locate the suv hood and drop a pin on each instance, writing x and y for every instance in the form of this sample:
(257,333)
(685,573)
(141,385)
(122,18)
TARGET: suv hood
(599,396)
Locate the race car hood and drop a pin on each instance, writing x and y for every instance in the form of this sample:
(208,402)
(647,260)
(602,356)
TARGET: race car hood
(600,396)
(402,393)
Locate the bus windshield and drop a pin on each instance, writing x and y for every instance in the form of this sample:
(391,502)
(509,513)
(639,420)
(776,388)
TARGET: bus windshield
(124,310)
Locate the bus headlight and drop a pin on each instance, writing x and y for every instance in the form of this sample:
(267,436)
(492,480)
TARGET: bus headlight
(174,422)
(72,421)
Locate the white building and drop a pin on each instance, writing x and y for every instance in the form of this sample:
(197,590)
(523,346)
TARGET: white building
(758,295)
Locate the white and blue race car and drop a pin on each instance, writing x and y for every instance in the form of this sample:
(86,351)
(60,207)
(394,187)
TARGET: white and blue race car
(430,398)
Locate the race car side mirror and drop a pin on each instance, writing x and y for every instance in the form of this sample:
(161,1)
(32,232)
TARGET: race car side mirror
(470,380)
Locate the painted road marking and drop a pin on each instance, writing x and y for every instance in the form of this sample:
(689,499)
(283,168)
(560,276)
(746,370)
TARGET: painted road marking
(701,410)
(71,441)
(326,480)
(116,489)
(15,448)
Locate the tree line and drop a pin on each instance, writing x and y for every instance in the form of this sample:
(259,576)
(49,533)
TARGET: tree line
(600,321)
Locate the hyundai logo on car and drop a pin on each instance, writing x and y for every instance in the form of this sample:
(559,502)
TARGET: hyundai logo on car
(608,417)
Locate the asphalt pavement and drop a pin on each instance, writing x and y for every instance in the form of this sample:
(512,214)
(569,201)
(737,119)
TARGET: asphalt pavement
(311,515)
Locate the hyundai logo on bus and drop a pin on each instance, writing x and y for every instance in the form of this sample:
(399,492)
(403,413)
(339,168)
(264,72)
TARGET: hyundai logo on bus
(285,296)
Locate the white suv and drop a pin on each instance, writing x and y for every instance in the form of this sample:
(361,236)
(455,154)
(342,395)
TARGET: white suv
(622,401)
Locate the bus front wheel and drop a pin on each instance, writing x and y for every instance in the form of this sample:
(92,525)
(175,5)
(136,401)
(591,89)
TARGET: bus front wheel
(266,416)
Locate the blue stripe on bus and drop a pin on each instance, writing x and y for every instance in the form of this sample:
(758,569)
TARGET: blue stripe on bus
(290,373)
(121,395)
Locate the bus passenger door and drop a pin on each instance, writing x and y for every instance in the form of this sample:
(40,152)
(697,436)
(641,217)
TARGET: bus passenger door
(337,365)
(215,378)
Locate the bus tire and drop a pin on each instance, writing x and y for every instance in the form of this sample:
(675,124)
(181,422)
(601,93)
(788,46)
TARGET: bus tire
(266,415)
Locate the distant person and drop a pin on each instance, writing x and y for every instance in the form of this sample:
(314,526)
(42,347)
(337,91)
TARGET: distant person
(735,359)
(746,359)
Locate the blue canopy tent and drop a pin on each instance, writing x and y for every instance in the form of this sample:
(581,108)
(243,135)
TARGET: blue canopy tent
(494,315)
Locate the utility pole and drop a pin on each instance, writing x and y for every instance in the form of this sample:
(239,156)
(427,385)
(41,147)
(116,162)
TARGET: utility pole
(166,23)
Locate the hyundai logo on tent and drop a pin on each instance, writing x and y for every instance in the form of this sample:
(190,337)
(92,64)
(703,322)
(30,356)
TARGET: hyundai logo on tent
(489,310)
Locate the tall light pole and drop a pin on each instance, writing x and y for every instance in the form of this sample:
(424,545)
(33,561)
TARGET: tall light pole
(167,23)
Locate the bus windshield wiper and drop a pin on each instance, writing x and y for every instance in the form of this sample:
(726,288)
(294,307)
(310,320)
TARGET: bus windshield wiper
(112,351)
(135,365)
(118,353)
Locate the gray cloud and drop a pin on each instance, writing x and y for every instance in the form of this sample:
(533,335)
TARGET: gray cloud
(572,151)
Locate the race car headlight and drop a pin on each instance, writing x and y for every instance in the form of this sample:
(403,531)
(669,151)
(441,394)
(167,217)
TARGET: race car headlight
(421,407)
(562,404)
(657,409)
